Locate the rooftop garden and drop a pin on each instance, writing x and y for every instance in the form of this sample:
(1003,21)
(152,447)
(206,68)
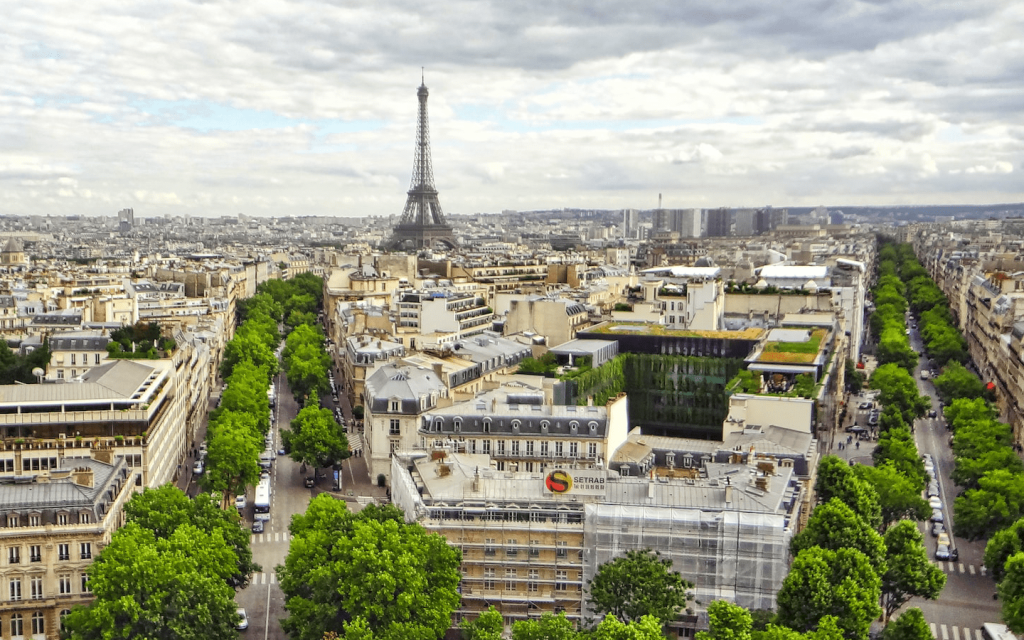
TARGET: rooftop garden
(141,341)
(647,328)
(794,352)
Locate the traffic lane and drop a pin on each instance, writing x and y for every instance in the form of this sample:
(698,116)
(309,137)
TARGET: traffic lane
(263,599)
(966,601)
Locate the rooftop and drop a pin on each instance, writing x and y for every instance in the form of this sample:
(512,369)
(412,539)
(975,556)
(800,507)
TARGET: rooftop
(648,328)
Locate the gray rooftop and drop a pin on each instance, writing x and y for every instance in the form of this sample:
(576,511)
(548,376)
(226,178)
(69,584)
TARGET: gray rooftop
(111,382)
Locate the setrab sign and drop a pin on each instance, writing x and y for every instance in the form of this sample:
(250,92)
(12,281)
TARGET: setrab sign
(579,482)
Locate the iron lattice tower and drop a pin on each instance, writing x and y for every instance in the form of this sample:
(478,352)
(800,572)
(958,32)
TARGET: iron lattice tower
(423,220)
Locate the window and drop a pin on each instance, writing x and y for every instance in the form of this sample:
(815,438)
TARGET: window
(37,587)
(35,553)
(515,447)
(515,425)
(529,448)
(396,427)
(531,586)
(574,449)
(562,549)
(35,520)
(15,591)
(593,427)
(558,449)
(83,518)
(501,447)
(12,521)
(510,579)
(38,623)
(73,360)
(62,518)
(64,582)
(534,548)
(487,425)
(670,459)
(574,427)
(591,449)
(394,447)
(60,374)
(457,424)
(85,583)
(85,358)
(544,424)
(486,447)
(63,551)
(95,358)
(561,579)
(74,372)
(394,406)
(85,551)
(488,579)
(472,446)
(544,448)
(624,470)
(17,625)
(489,548)
(529,467)
(511,550)
(13,555)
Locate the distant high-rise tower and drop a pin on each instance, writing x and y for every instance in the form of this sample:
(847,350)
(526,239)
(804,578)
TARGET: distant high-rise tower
(719,222)
(422,223)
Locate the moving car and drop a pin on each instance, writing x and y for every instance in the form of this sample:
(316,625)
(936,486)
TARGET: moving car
(933,413)
(865,405)
(243,624)
(197,468)
(257,526)
(942,552)
(855,429)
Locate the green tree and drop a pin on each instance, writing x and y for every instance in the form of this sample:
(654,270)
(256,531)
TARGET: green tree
(837,480)
(489,625)
(996,503)
(372,570)
(233,459)
(957,382)
(246,392)
(834,526)
(897,387)
(911,625)
(897,447)
(967,472)
(898,496)
(1001,546)
(167,508)
(891,418)
(549,627)
(727,621)
(149,587)
(824,582)
(908,572)
(963,410)
(611,628)
(1011,593)
(248,345)
(261,303)
(638,584)
(316,438)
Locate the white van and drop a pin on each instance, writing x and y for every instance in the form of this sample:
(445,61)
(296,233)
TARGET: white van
(996,631)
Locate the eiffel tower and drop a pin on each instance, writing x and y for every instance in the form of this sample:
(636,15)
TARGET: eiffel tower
(422,224)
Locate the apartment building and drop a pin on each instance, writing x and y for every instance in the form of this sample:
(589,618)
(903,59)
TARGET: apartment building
(53,522)
(73,353)
(557,319)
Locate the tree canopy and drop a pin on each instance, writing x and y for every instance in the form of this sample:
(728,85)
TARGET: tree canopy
(837,480)
(316,438)
(638,584)
(834,525)
(908,572)
(370,573)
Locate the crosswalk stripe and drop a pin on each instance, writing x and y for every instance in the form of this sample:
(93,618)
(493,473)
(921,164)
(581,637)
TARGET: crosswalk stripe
(945,632)
(950,564)
(932,625)
(978,634)
(956,633)
(252,539)
(273,579)
(962,567)
(972,569)
(277,536)
(982,569)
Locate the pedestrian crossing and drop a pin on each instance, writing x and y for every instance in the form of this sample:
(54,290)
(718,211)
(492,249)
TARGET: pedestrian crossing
(943,632)
(265,538)
(960,567)
(355,442)
(263,578)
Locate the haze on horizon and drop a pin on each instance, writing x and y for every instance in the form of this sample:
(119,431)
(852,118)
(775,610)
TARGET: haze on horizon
(309,108)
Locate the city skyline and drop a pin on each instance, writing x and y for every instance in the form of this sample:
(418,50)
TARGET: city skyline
(214,110)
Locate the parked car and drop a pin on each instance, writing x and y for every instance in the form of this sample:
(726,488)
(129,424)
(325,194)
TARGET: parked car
(872,420)
(937,528)
(240,502)
(933,414)
(942,552)
(937,516)
(933,489)
(943,539)
(934,502)
(309,481)
(243,624)
(197,468)
(257,526)
(853,428)
(865,405)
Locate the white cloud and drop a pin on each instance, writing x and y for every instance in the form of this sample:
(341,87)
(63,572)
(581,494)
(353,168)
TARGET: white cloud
(210,108)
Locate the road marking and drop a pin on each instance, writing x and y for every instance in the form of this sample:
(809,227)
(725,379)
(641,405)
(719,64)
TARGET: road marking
(956,633)
(971,567)
(273,579)
(951,569)
(962,568)
(932,625)
(945,632)
(978,635)
(982,569)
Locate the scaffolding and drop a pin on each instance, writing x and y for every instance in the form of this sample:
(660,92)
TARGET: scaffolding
(741,557)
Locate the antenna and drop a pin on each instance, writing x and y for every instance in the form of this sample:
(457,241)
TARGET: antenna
(422,81)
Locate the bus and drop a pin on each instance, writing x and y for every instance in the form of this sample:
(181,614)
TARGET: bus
(271,396)
(261,506)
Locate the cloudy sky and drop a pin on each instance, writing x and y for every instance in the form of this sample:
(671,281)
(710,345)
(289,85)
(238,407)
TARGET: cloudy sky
(274,107)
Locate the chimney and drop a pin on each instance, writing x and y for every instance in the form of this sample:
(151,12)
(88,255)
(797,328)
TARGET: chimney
(439,371)
(476,480)
(728,494)
(83,477)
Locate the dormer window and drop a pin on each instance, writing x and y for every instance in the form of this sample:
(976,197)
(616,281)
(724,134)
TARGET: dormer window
(593,427)
(394,406)
(487,425)
(670,459)
(515,426)
(544,424)
(457,424)
(438,423)
(574,427)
